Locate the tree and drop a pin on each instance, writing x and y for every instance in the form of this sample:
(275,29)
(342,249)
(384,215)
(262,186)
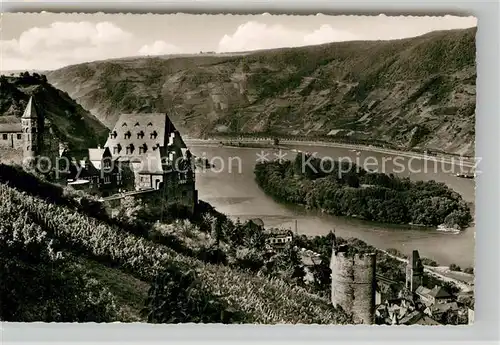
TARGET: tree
(469,270)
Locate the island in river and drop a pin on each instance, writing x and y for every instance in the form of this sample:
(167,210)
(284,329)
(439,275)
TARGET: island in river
(345,189)
(232,189)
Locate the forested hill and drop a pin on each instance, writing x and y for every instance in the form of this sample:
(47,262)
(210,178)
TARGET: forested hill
(414,93)
(71,122)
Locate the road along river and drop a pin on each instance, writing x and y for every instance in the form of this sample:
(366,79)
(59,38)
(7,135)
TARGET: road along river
(231,188)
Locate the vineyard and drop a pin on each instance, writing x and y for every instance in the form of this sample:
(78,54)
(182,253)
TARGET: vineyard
(52,229)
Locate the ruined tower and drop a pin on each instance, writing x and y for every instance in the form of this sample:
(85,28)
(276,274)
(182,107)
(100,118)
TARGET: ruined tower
(30,125)
(354,283)
(414,272)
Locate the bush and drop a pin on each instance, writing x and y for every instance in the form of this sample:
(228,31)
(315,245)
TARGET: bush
(469,270)
(178,296)
(454,267)
(429,262)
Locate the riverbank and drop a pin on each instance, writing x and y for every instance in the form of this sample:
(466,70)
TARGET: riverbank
(465,283)
(289,144)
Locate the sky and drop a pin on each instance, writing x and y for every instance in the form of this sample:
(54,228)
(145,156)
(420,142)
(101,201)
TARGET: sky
(49,41)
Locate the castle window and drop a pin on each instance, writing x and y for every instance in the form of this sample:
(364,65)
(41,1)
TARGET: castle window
(143,148)
(113,135)
(140,135)
(124,124)
(128,135)
(153,135)
(4,137)
(107,163)
(150,124)
(107,179)
(117,149)
(27,130)
(130,149)
(136,124)
(19,136)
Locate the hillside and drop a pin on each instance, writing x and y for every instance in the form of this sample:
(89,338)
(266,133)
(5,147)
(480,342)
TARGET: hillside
(71,122)
(77,264)
(416,92)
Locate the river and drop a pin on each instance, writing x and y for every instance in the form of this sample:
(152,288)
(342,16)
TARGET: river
(230,187)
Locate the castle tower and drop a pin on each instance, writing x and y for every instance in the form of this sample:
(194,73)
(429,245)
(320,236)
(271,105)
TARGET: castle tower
(30,125)
(414,272)
(354,283)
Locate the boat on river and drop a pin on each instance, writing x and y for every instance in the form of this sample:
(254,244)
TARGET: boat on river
(451,230)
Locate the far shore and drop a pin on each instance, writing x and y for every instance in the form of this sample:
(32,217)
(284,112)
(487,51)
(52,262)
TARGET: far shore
(262,143)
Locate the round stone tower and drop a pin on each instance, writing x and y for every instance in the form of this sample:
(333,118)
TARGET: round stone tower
(354,283)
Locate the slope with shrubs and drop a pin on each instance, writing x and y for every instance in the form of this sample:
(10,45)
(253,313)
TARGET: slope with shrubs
(414,93)
(243,296)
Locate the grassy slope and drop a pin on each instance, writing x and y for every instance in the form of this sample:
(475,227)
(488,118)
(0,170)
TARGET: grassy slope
(412,92)
(129,292)
(266,300)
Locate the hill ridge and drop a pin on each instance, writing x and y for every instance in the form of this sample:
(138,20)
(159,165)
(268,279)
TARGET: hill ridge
(415,92)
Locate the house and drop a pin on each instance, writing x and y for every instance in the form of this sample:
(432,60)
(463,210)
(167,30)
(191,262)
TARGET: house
(395,312)
(437,310)
(309,260)
(11,132)
(278,238)
(146,152)
(97,173)
(436,295)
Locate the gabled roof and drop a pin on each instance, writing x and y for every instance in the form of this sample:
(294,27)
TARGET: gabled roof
(436,292)
(95,154)
(442,307)
(30,111)
(427,321)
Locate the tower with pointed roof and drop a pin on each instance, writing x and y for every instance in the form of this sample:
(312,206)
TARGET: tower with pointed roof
(414,272)
(30,125)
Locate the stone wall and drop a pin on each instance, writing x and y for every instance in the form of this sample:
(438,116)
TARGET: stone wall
(12,140)
(354,285)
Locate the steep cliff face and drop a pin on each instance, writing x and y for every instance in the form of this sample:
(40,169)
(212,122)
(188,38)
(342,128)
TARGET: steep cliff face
(417,92)
(71,122)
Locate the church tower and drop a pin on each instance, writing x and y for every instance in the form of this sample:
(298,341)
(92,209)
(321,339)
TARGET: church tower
(414,272)
(30,125)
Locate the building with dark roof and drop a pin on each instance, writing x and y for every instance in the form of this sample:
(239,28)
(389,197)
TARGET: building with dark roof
(438,309)
(436,295)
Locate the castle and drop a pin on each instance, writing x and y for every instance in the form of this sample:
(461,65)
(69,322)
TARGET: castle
(35,136)
(145,152)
